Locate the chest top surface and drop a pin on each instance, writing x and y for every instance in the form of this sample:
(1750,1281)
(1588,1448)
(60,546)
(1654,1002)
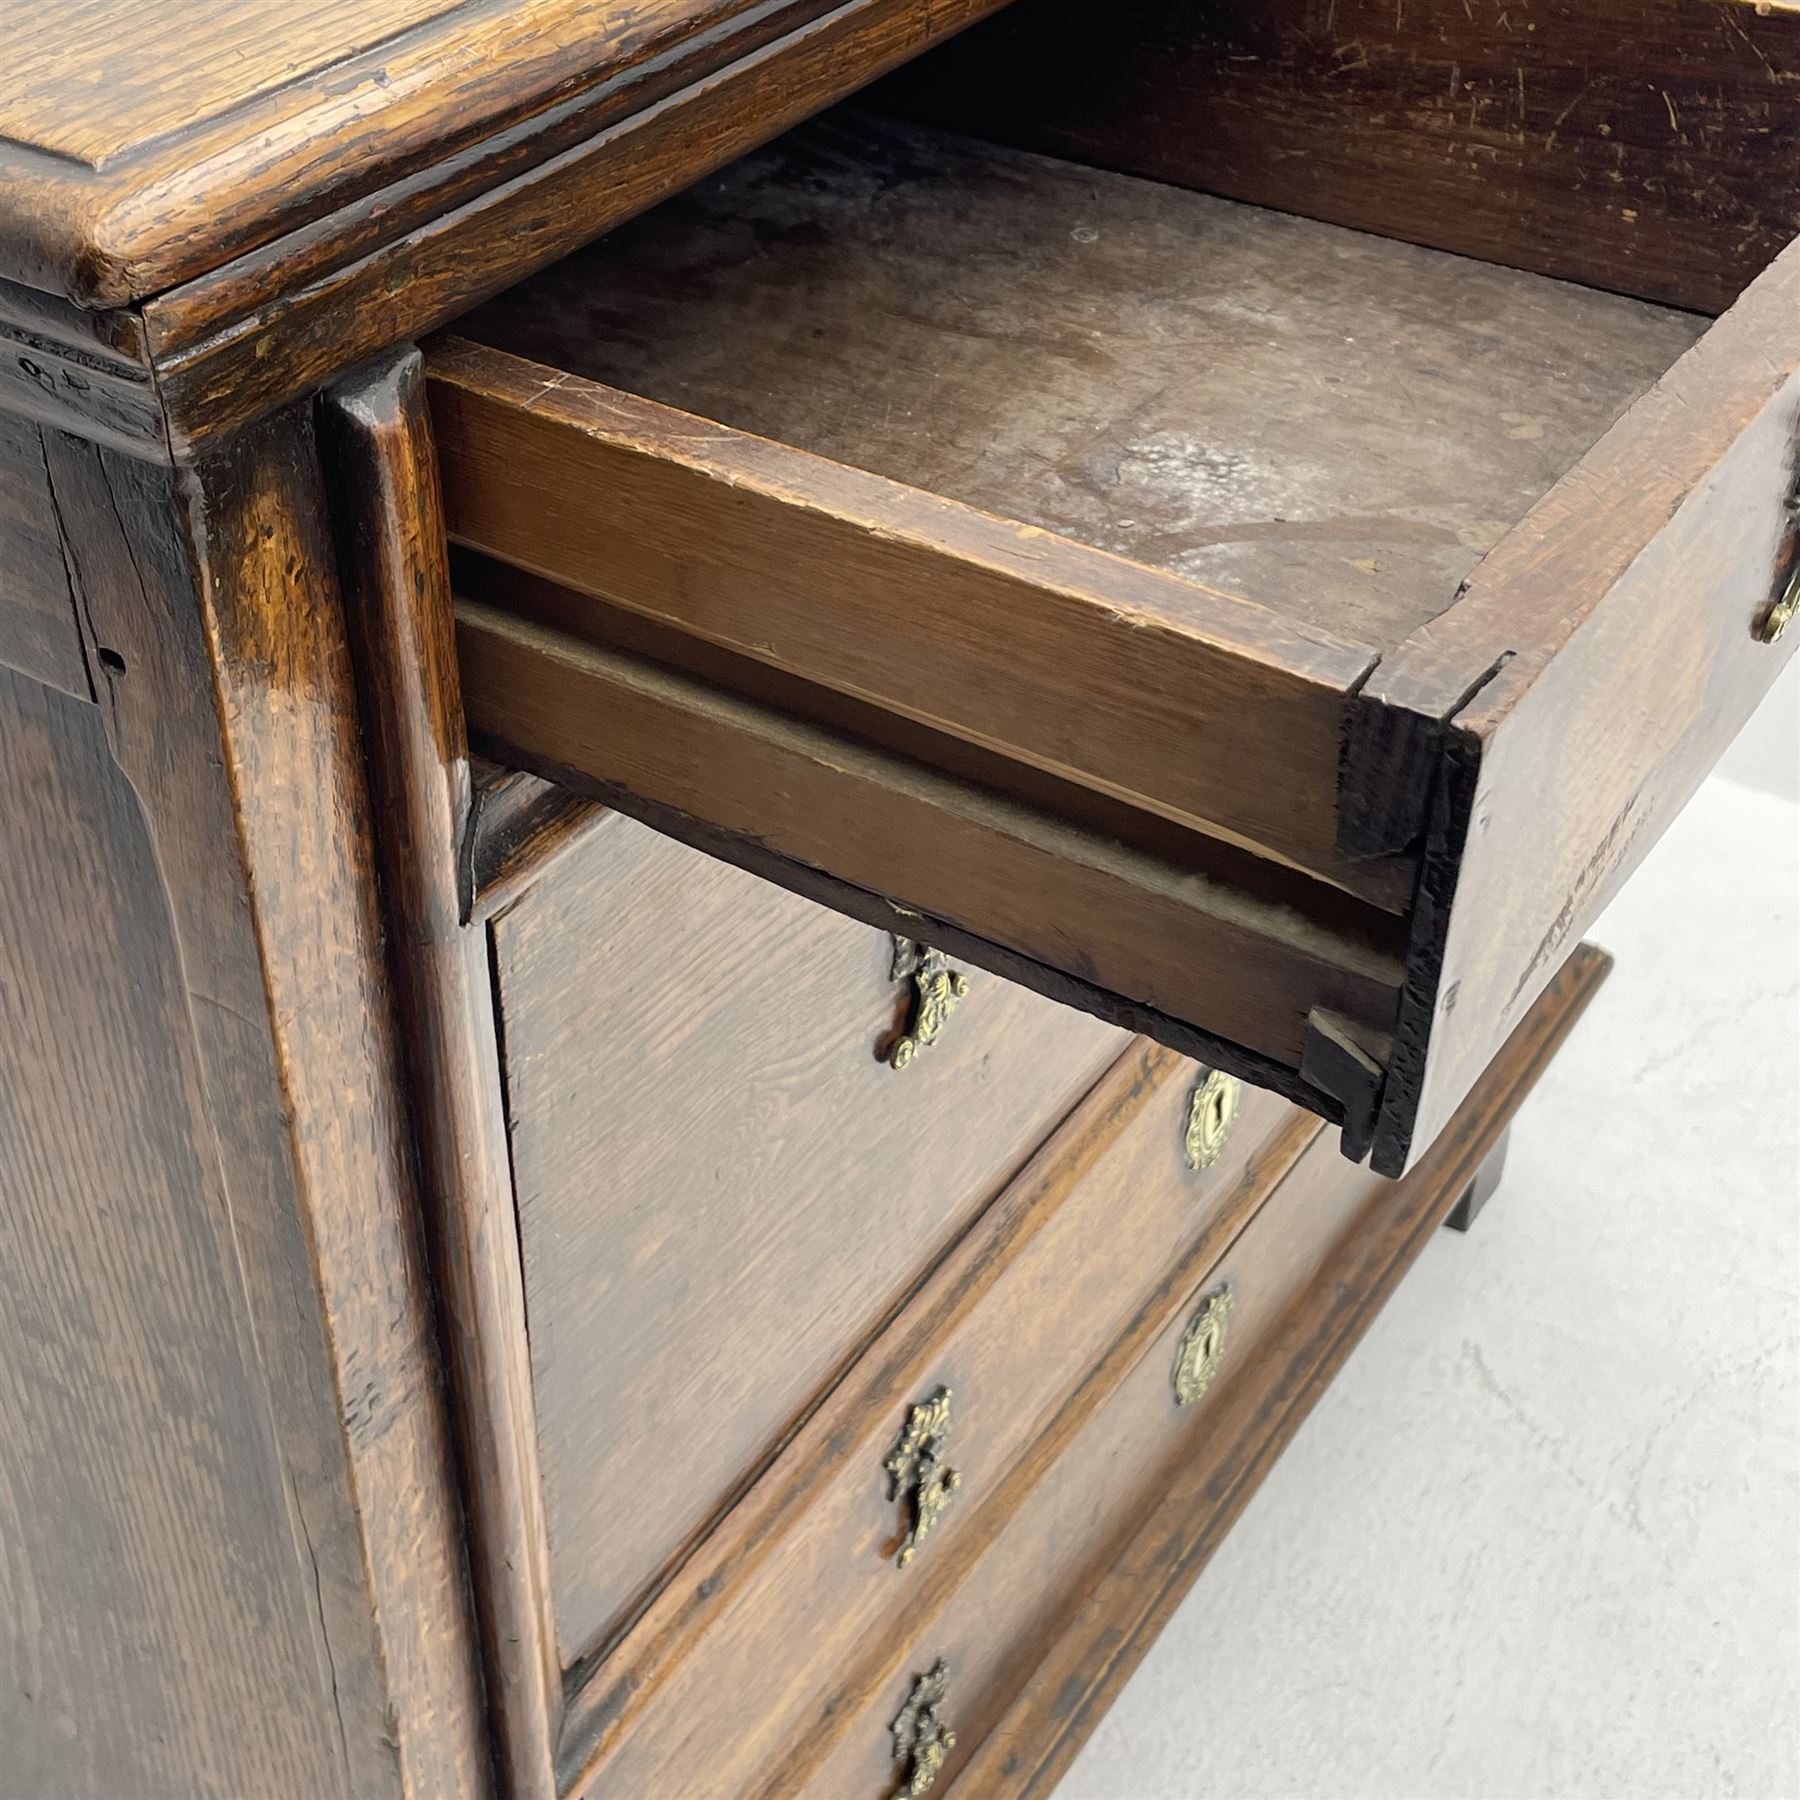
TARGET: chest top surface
(143,142)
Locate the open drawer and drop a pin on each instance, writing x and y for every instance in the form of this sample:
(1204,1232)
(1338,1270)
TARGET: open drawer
(1278,639)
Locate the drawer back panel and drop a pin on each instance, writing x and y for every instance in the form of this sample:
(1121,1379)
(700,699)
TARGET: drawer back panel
(1569,142)
(723,1187)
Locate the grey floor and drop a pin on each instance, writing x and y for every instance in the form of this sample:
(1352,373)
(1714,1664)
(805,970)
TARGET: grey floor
(1542,1538)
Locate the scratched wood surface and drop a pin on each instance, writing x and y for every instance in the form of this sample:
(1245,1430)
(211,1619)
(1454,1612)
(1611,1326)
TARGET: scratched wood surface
(38,630)
(1620,624)
(358,175)
(143,143)
(931,307)
(376,442)
(1114,1435)
(1648,146)
(89,79)
(1335,425)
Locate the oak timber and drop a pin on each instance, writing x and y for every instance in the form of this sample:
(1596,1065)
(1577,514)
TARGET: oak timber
(1078,664)
(1162,936)
(909,637)
(161,1620)
(377,443)
(721,1184)
(1103,1227)
(209,609)
(1648,146)
(1597,666)
(1043,1618)
(1334,425)
(1116,1607)
(140,147)
(39,632)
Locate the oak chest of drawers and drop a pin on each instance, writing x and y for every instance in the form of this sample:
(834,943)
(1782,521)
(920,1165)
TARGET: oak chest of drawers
(759,870)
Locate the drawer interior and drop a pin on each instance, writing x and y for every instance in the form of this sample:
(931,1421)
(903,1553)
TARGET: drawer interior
(1252,630)
(1332,425)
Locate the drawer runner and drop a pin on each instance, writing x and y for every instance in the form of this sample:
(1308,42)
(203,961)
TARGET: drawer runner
(910,848)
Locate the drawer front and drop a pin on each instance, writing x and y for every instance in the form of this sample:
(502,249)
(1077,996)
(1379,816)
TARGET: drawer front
(940,1424)
(1245,820)
(994,1627)
(1030,1637)
(722,1186)
(1642,609)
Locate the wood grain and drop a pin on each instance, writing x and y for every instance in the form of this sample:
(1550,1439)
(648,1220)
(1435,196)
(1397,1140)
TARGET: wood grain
(1335,426)
(280,320)
(211,609)
(1132,1493)
(518,825)
(160,1620)
(92,79)
(1619,626)
(377,443)
(1119,1605)
(141,145)
(1167,936)
(800,1575)
(1646,146)
(1097,1460)
(971,624)
(1674,531)
(722,1187)
(83,373)
(39,633)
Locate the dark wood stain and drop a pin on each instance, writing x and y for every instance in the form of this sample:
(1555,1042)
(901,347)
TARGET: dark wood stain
(1206,708)
(964,623)
(277,322)
(788,797)
(39,634)
(1091,1560)
(227,704)
(1599,663)
(1036,622)
(722,1187)
(1012,1320)
(377,443)
(1115,1608)
(1647,146)
(159,1593)
(138,152)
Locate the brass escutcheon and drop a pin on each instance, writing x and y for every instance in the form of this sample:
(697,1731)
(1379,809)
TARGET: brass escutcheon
(1202,1347)
(921,1738)
(936,990)
(1211,1108)
(916,1473)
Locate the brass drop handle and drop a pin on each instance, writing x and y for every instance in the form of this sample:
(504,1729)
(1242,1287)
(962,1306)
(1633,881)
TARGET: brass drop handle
(922,1741)
(1211,1108)
(1202,1346)
(918,1476)
(937,989)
